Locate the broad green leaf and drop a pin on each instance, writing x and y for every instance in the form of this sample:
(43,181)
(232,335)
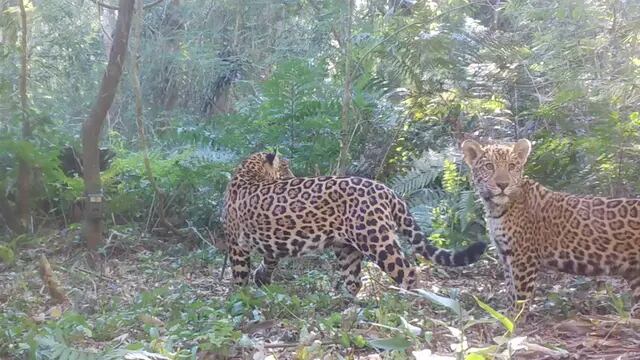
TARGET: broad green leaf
(487,352)
(452,304)
(505,321)
(474,356)
(394,343)
(6,254)
(416,331)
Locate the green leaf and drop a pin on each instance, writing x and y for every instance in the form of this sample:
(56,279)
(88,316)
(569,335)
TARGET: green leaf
(414,330)
(7,255)
(505,321)
(394,343)
(344,340)
(449,303)
(474,356)
(359,341)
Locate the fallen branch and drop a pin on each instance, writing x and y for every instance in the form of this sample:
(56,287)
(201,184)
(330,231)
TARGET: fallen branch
(49,279)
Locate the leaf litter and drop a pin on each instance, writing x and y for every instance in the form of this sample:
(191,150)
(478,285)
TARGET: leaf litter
(571,317)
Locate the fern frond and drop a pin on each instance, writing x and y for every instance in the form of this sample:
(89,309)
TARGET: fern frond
(52,349)
(425,171)
(423,215)
(466,208)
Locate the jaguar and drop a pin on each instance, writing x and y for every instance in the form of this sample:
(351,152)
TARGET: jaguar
(533,227)
(269,210)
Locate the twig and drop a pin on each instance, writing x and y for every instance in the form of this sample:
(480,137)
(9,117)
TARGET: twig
(195,231)
(103,277)
(290,345)
(615,324)
(226,255)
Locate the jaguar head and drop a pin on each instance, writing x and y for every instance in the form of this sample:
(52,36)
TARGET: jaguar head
(264,167)
(497,170)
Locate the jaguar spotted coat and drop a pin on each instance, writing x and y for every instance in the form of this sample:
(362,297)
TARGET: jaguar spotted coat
(269,210)
(534,227)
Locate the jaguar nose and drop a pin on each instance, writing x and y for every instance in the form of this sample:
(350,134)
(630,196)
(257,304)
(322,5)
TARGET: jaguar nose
(502,185)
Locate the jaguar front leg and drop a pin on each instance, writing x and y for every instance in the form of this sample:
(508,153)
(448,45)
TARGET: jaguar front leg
(262,275)
(524,271)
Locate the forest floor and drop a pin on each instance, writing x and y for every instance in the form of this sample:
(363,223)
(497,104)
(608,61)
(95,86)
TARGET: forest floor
(165,295)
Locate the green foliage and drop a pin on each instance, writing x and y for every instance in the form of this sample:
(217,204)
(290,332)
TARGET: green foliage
(449,303)
(223,79)
(48,347)
(297,112)
(193,180)
(441,201)
(6,255)
(507,323)
(395,343)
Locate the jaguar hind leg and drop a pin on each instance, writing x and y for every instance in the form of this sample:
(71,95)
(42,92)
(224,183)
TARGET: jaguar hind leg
(240,264)
(389,257)
(350,261)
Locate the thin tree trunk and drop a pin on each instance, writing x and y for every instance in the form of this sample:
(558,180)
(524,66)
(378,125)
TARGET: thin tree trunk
(24,168)
(345,133)
(136,32)
(171,28)
(7,212)
(108,18)
(93,225)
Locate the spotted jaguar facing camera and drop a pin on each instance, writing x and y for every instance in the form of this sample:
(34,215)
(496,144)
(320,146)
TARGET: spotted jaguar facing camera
(534,227)
(269,210)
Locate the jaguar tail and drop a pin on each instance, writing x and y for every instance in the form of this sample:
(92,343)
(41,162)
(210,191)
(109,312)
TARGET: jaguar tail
(408,226)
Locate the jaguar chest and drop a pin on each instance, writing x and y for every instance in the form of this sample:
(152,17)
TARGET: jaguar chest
(499,235)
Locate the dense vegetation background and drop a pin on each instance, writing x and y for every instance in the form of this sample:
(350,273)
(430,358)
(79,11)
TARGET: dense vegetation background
(385,89)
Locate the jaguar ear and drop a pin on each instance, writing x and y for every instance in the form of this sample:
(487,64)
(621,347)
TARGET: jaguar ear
(471,151)
(271,157)
(522,149)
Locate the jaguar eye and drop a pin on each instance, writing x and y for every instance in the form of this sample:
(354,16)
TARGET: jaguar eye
(512,167)
(489,166)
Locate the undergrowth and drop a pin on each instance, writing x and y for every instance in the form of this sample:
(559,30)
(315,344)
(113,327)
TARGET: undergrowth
(169,301)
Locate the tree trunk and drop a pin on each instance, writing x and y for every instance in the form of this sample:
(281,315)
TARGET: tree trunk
(136,35)
(7,212)
(171,27)
(24,168)
(345,131)
(92,227)
(108,18)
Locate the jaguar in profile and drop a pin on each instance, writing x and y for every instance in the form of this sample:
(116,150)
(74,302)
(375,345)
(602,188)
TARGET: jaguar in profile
(269,210)
(534,227)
